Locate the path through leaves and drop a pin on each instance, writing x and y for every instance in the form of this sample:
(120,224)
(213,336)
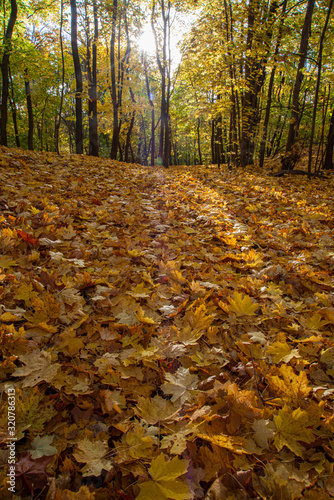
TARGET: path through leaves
(169,334)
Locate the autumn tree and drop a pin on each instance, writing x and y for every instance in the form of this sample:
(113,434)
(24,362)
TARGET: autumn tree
(78,79)
(7,46)
(295,108)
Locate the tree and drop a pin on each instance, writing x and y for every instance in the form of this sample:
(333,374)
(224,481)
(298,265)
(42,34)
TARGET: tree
(78,78)
(7,46)
(92,81)
(295,110)
(163,57)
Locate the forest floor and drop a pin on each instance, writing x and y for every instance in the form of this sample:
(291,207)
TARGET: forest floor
(164,333)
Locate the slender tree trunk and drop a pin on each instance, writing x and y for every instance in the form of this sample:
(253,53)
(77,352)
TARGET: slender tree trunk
(7,45)
(315,104)
(115,136)
(150,100)
(92,83)
(58,121)
(163,62)
(254,77)
(270,88)
(30,111)
(293,129)
(328,163)
(199,141)
(14,114)
(78,78)
(129,132)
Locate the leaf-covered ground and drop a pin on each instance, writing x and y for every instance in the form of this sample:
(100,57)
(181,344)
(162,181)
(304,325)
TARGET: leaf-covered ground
(169,334)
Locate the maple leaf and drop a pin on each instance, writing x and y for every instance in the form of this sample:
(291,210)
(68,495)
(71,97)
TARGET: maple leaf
(28,238)
(165,484)
(315,322)
(70,343)
(7,262)
(193,325)
(92,454)
(292,386)
(34,472)
(144,319)
(156,409)
(264,430)
(242,305)
(180,384)
(281,351)
(45,309)
(39,367)
(26,293)
(232,443)
(83,494)
(41,447)
(136,444)
(292,428)
(140,291)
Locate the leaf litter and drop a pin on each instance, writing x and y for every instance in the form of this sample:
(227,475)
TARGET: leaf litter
(169,333)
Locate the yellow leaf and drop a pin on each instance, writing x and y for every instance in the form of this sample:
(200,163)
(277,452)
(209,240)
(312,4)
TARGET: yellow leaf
(242,304)
(292,428)
(25,292)
(232,443)
(83,494)
(281,351)
(70,343)
(315,322)
(180,384)
(230,241)
(156,409)
(144,319)
(140,291)
(6,262)
(8,317)
(92,454)
(165,484)
(289,385)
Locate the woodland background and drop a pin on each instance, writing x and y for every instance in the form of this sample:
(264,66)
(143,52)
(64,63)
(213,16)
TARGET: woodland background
(254,78)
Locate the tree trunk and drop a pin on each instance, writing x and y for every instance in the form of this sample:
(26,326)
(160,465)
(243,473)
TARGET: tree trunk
(4,70)
(199,141)
(163,62)
(58,121)
(92,83)
(319,62)
(328,163)
(14,114)
(115,136)
(78,79)
(270,88)
(30,111)
(254,77)
(293,129)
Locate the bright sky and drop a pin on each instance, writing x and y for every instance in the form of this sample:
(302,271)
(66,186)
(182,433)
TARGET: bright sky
(179,30)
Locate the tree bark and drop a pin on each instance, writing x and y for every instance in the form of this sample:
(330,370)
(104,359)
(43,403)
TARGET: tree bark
(254,77)
(7,45)
(58,121)
(328,163)
(319,62)
(164,68)
(78,79)
(294,120)
(93,148)
(270,88)
(14,113)
(30,111)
